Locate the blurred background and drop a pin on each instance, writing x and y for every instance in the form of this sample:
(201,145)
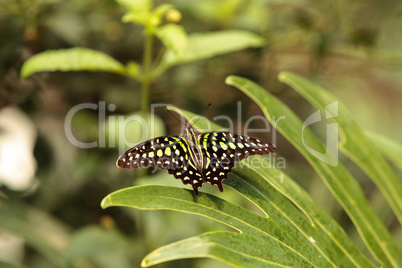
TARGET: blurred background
(51,190)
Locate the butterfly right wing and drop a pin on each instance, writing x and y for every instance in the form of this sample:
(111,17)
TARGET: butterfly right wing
(223,149)
(161,152)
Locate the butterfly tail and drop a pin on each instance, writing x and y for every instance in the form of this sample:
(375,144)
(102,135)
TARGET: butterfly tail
(220,185)
(195,188)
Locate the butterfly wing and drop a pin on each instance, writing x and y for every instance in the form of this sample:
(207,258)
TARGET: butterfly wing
(188,174)
(171,153)
(222,149)
(161,152)
(244,146)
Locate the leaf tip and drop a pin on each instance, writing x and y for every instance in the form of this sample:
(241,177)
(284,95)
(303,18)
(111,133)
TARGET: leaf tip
(23,72)
(229,79)
(282,76)
(106,202)
(145,262)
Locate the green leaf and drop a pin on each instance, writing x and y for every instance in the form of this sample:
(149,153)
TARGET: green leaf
(253,184)
(298,251)
(73,59)
(388,147)
(206,45)
(286,186)
(354,142)
(240,250)
(173,37)
(340,182)
(328,241)
(139,11)
(140,6)
(40,231)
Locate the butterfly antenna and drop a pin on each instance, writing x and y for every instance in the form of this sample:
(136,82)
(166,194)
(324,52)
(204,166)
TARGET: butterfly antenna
(174,116)
(200,115)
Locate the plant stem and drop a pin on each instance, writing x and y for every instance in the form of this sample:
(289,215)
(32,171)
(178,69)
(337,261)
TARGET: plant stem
(147,67)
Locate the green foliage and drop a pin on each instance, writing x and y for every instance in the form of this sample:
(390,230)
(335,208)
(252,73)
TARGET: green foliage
(206,45)
(257,231)
(315,240)
(354,141)
(309,214)
(73,59)
(341,183)
(180,49)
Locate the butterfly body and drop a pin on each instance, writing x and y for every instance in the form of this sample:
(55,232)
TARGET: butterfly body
(195,159)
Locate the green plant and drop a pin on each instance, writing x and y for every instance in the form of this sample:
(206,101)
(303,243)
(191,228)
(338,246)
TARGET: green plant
(60,222)
(295,232)
(178,48)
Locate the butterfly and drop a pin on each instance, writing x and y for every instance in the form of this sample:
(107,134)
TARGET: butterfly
(195,159)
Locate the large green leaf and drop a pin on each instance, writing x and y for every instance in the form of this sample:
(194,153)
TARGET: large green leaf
(73,59)
(296,250)
(206,45)
(285,228)
(337,178)
(140,6)
(354,141)
(280,181)
(239,250)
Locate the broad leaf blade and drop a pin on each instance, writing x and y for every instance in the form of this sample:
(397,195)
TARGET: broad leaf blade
(342,185)
(239,250)
(354,142)
(139,6)
(73,59)
(139,11)
(206,45)
(248,181)
(289,239)
(166,197)
(331,240)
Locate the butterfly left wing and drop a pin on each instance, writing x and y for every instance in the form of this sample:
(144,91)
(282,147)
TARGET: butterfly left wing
(161,152)
(188,174)
(222,149)
(171,153)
